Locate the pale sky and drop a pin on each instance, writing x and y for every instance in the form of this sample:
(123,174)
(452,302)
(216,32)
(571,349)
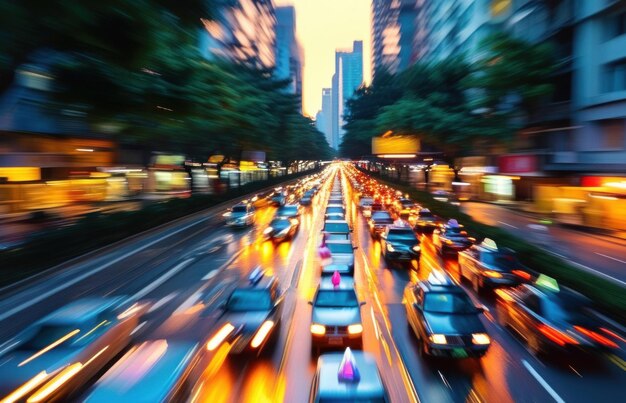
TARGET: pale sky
(323,26)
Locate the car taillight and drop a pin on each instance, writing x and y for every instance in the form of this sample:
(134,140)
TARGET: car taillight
(522,274)
(596,337)
(556,336)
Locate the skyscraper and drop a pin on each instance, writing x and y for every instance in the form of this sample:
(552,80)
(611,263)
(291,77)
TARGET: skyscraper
(347,78)
(327,116)
(243,32)
(288,51)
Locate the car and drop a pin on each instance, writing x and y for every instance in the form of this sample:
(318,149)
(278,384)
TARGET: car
(306,200)
(168,377)
(336,227)
(379,221)
(342,252)
(335,318)
(281,229)
(250,317)
(553,319)
(278,199)
(335,212)
(444,319)
(426,221)
(240,215)
(404,207)
(365,205)
(399,244)
(48,360)
(451,238)
(288,211)
(446,197)
(351,376)
(487,266)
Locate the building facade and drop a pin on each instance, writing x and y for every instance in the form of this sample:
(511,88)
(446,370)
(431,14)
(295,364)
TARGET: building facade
(288,52)
(243,31)
(347,78)
(324,118)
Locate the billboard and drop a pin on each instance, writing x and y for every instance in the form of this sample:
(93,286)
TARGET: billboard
(395,145)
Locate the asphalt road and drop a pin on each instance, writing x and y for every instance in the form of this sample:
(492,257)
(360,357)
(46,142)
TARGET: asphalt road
(598,253)
(188,268)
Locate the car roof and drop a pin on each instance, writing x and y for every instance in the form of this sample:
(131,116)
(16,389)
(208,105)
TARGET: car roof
(264,283)
(370,386)
(131,380)
(81,310)
(439,281)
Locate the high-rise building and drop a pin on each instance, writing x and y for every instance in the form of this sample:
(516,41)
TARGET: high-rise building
(397,34)
(243,31)
(347,78)
(326,126)
(288,51)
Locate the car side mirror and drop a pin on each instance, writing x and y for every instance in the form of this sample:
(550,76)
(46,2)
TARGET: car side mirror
(355,247)
(362,303)
(310,303)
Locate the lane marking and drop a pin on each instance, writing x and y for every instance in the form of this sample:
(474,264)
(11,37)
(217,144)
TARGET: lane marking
(543,382)
(8,346)
(617,361)
(508,225)
(162,302)
(83,276)
(610,257)
(159,281)
(211,274)
(587,268)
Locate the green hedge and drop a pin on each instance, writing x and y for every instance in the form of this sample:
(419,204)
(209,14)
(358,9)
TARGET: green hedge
(95,230)
(609,296)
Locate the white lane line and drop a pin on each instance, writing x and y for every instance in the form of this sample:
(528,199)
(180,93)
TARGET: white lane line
(542,382)
(508,225)
(211,274)
(8,346)
(83,276)
(156,283)
(189,302)
(139,326)
(162,302)
(587,268)
(610,257)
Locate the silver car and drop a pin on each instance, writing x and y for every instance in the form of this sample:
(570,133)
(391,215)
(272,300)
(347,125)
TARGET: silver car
(55,356)
(240,215)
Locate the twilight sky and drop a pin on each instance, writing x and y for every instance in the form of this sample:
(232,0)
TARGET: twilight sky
(323,26)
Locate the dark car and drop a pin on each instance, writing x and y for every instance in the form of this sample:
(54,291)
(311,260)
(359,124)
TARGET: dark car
(486,265)
(278,199)
(251,315)
(379,221)
(288,211)
(336,318)
(426,221)
(552,319)
(399,244)
(451,238)
(445,320)
(281,229)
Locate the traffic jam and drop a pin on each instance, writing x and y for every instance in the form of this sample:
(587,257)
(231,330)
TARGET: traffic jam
(335,288)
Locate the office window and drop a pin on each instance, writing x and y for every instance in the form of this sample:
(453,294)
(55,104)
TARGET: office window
(611,134)
(614,77)
(616,25)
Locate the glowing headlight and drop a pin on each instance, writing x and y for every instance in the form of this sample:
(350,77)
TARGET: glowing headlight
(492,274)
(481,338)
(262,333)
(355,329)
(416,248)
(438,339)
(390,248)
(318,329)
(268,230)
(220,336)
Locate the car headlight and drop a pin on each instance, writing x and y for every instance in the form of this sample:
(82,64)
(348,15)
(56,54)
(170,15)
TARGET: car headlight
(262,333)
(268,230)
(390,248)
(318,329)
(438,339)
(355,329)
(480,338)
(416,248)
(492,274)
(283,231)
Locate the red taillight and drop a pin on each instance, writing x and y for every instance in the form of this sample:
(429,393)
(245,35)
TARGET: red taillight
(556,336)
(610,333)
(596,337)
(522,274)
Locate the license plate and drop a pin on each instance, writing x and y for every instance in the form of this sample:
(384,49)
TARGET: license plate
(335,341)
(459,353)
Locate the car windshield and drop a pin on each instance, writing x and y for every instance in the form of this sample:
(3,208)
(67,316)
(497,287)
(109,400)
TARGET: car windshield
(567,311)
(242,300)
(444,302)
(336,227)
(426,214)
(280,222)
(401,235)
(382,216)
(501,260)
(340,247)
(239,209)
(336,299)
(48,334)
(352,400)
(287,211)
(334,210)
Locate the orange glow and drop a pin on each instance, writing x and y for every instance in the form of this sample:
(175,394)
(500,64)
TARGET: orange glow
(556,336)
(610,333)
(56,382)
(596,336)
(521,273)
(220,336)
(504,295)
(49,347)
(23,390)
